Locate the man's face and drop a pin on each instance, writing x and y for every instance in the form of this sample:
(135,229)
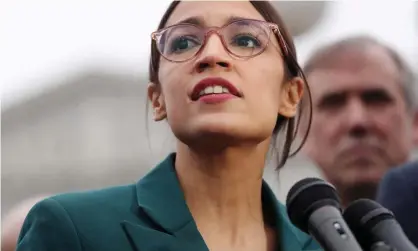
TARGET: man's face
(361,125)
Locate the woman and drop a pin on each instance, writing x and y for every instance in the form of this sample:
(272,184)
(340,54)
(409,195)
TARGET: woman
(227,85)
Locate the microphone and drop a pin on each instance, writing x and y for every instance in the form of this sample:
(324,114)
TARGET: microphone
(314,207)
(372,223)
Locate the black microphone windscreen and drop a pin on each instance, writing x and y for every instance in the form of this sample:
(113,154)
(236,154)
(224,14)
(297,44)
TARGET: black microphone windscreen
(306,196)
(362,215)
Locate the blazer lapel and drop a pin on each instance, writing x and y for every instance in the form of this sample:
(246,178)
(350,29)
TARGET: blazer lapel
(165,222)
(290,238)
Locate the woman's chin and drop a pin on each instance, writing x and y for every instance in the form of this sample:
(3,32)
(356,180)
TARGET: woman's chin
(222,133)
(220,126)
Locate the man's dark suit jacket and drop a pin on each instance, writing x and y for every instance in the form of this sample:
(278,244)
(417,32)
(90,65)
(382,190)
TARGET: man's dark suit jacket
(399,193)
(150,215)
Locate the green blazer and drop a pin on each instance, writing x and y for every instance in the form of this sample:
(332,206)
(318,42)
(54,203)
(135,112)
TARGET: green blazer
(150,215)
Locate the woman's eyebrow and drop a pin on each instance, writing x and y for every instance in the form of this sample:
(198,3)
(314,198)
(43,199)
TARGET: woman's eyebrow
(192,20)
(197,20)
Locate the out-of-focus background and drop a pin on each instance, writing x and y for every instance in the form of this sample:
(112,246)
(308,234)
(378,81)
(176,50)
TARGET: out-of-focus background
(73,79)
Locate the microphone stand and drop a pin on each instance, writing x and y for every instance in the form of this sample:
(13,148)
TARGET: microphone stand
(381,246)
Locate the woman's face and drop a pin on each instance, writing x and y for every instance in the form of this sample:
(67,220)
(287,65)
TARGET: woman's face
(263,94)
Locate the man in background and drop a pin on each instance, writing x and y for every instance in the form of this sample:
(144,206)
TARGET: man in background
(364,118)
(13,221)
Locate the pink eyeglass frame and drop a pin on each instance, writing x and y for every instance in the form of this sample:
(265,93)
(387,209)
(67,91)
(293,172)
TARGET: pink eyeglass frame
(156,35)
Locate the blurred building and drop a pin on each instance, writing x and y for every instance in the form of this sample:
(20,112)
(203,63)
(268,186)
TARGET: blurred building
(87,132)
(301,16)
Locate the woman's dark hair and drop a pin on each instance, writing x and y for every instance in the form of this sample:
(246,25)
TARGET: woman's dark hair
(290,126)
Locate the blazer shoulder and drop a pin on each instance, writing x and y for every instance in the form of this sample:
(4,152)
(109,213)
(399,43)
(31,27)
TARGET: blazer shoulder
(404,176)
(48,227)
(96,209)
(114,196)
(72,221)
(410,171)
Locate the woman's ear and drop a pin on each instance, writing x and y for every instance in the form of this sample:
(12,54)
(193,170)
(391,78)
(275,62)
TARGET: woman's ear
(291,96)
(156,97)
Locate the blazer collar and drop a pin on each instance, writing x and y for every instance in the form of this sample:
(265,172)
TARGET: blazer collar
(290,238)
(171,225)
(160,196)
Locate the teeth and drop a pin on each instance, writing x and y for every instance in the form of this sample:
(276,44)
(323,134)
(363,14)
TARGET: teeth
(209,90)
(217,89)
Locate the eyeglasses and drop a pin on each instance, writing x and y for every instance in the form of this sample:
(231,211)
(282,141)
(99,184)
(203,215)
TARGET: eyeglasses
(244,38)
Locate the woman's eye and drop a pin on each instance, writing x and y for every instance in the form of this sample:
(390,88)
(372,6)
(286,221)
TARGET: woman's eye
(181,44)
(248,41)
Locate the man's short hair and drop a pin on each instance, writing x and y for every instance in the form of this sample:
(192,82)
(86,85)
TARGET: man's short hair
(322,57)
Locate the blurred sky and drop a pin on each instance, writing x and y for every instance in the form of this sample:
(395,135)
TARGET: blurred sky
(46,40)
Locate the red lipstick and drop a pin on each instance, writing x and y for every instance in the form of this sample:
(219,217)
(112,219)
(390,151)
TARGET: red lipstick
(214,90)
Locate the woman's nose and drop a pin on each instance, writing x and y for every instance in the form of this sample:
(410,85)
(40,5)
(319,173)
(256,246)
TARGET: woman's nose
(213,55)
(212,62)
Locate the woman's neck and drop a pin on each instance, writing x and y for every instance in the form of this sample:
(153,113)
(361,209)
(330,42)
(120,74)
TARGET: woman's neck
(223,190)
